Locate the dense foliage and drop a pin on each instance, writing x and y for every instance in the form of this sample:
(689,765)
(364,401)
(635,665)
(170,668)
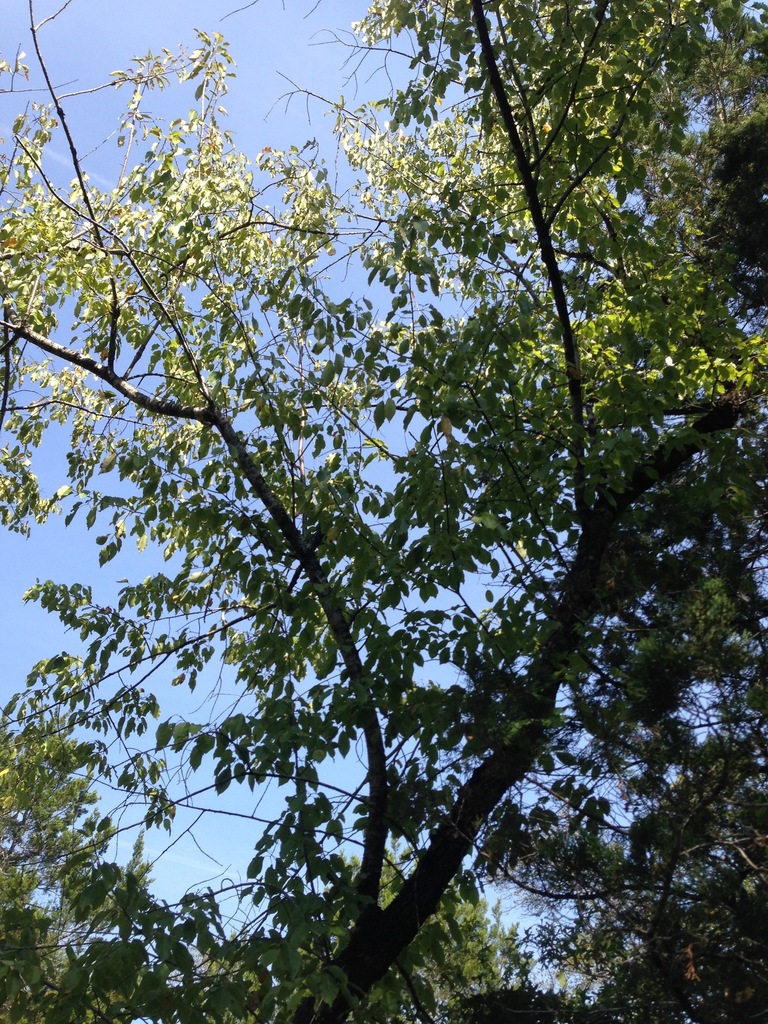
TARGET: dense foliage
(486,533)
(50,836)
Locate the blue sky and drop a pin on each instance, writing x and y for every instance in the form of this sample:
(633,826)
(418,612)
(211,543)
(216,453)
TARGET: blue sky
(273,44)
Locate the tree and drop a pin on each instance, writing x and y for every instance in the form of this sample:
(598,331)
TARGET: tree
(395,519)
(722,94)
(41,835)
(49,838)
(651,882)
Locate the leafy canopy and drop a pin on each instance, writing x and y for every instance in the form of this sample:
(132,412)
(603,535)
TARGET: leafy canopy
(388,516)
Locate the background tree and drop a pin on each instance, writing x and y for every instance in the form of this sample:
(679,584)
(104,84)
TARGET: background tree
(651,882)
(718,180)
(477,955)
(398,528)
(49,840)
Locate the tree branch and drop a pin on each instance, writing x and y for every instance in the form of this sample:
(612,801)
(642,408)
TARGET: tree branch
(669,456)
(149,403)
(376,833)
(548,257)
